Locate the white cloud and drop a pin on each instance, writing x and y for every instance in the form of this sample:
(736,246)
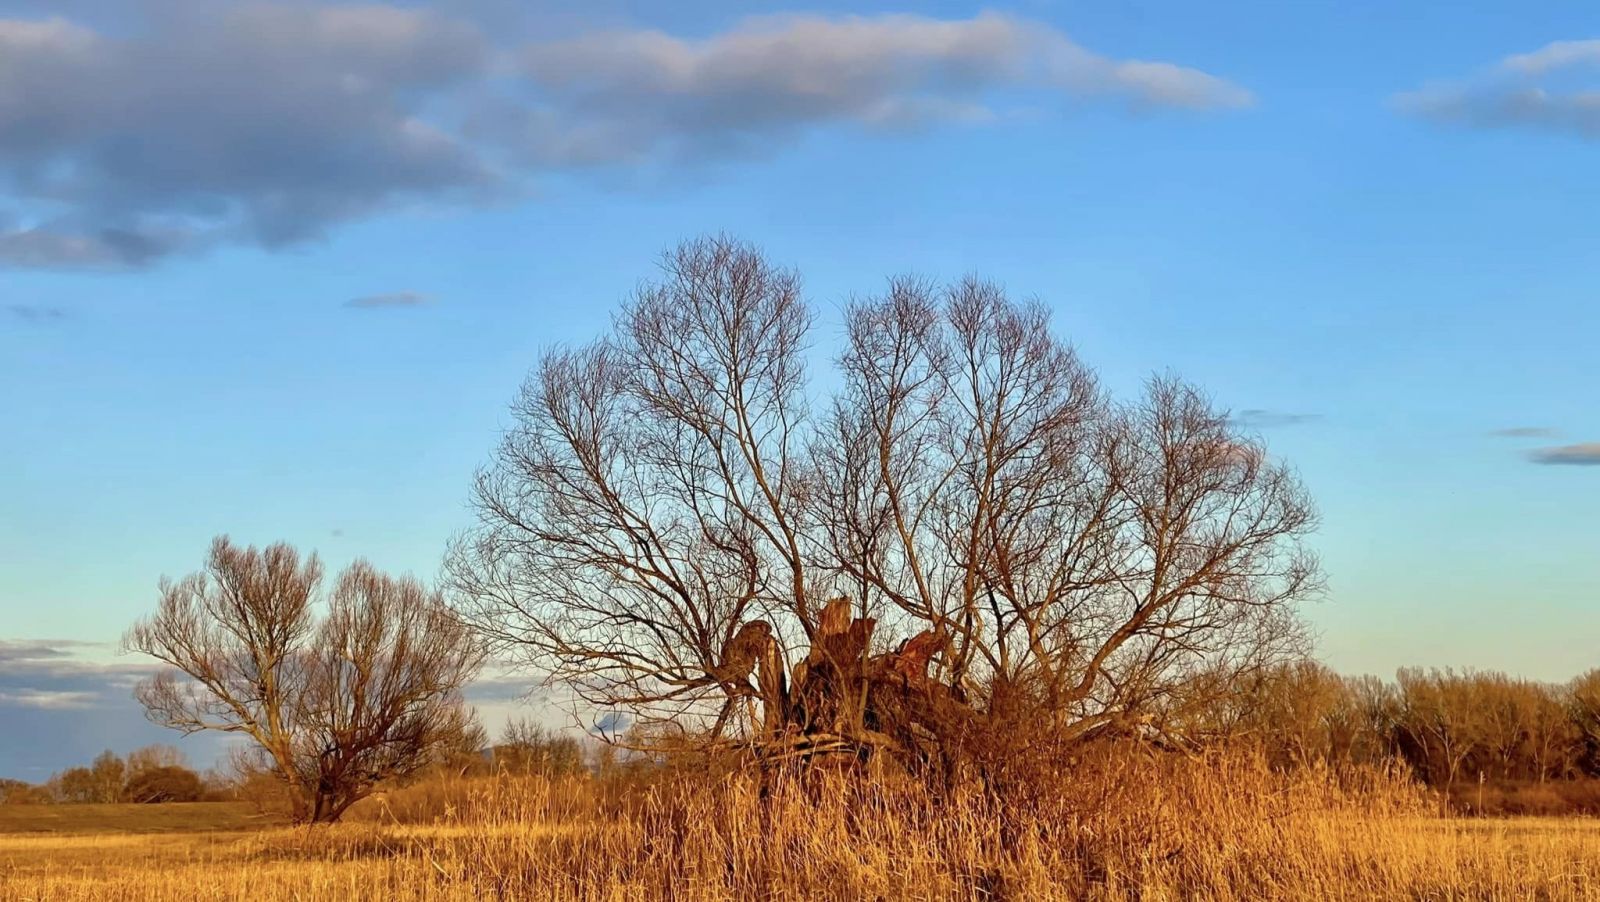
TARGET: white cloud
(46,699)
(625,95)
(1553,56)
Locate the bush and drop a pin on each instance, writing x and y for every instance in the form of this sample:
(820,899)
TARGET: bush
(165,784)
(16,792)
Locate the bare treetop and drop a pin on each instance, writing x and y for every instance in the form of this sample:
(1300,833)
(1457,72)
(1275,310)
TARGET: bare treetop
(671,513)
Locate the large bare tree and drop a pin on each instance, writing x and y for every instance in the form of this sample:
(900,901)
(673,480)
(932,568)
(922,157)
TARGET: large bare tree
(336,703)
(966,515)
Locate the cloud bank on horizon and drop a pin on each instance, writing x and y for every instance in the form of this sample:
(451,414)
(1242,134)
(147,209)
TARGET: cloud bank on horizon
(63,674)
(63,701)
(272,123)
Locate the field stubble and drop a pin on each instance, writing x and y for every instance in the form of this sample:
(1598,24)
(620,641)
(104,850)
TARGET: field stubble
(1218,828)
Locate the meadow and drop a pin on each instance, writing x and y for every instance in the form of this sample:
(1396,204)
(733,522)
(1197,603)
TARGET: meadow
(1217,828)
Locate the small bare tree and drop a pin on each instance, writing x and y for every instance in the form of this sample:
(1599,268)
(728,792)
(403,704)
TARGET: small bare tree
(334,705)
(1583,709)
(110,776)
(151,757)
(527,747)
(970,536)
(1440,720)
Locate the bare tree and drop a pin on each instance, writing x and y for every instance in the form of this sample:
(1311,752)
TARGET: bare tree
(527,747)
(1441,720)
(1378,713)
(1583,706)
(1086,558)
(676,528)
(110,776)
(73,785)
(1298,713)
(649,501)
(334,705)
(1552,736)
(151,757)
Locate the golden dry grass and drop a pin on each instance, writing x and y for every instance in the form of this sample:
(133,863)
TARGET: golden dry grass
(172,817)
(1218,829)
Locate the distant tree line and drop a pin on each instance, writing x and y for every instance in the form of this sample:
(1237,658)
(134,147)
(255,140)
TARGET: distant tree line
(156,773)
(1447,725)
(527,747)
(159,773)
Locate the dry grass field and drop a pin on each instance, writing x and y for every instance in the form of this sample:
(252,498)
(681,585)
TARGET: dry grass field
(1213,830)
(177,817)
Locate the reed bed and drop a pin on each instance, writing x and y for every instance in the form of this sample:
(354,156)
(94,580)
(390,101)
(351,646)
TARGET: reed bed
(1215,828)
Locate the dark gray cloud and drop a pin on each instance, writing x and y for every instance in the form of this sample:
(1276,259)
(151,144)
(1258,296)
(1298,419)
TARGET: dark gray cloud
(15,652)
(612,723)
(64,674)
(222,122)
(186,124)
(1257,418)
(64,701)
(1555,88)
(389,300)
(1525,432)
(502,687)
(1586,454)
(37,313)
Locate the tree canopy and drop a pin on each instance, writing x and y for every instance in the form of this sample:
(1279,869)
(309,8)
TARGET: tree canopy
(334,704)
(679,524)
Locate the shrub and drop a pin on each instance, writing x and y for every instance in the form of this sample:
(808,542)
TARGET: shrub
(165,784)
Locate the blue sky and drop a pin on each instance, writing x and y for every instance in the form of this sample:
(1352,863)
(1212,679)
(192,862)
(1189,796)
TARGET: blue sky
(276,269)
